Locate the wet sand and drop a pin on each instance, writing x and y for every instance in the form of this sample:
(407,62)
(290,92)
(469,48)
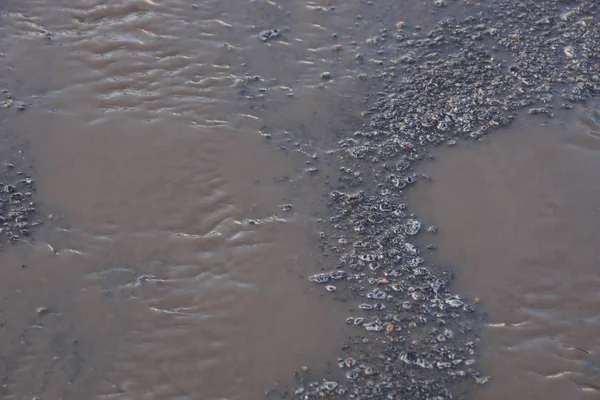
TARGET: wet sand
(518,221)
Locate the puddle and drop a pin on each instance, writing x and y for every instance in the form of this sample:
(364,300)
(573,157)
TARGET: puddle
(168,267)
(518,222)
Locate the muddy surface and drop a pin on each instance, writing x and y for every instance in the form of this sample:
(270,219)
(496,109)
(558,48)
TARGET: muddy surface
(531,258)
(225,190)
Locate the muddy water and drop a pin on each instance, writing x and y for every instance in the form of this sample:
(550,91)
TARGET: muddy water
(518,217)
(167,268)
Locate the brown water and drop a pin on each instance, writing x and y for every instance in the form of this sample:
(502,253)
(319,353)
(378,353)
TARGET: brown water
(177,275)
(518,217)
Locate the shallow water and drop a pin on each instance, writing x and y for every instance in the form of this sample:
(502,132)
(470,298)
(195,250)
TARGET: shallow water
(518,218)
(177,274)
(167,268)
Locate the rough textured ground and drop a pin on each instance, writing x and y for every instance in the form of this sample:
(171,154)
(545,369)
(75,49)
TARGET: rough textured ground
(415,338)
(17,208)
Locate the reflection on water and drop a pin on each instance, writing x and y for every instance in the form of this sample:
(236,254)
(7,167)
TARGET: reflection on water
(518,218)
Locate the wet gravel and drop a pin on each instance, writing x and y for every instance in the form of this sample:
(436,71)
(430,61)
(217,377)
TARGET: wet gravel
(18,214)
(17,209)
(462,79)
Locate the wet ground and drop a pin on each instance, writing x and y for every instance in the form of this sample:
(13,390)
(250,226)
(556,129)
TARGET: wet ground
(184,155)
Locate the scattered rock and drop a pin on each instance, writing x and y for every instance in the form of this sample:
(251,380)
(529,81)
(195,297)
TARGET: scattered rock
(269,34)
(461,78)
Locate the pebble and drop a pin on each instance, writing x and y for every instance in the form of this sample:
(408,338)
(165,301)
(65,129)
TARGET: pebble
(269,34)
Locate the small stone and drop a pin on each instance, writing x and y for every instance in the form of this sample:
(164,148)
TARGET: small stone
(412,227)
(319,278)
(369,371)
(569,52)
(372,41)
(326,75)
(269,34)
(352,375)
(338,274)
